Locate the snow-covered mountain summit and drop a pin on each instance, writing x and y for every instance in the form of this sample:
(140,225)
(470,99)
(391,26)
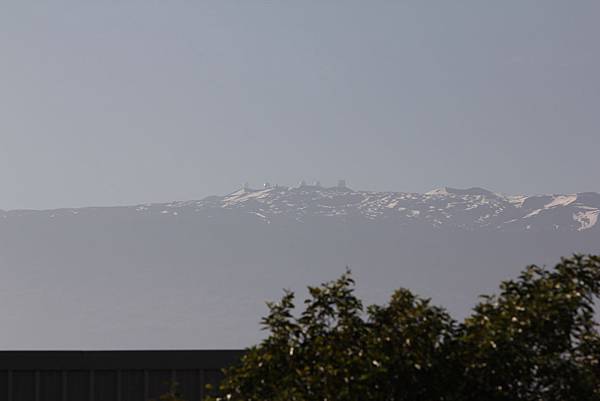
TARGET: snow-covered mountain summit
(198,272)
(449,207)
(472,208)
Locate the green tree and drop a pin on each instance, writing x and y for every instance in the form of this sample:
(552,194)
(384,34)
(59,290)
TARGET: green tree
(409,338)
(535,340)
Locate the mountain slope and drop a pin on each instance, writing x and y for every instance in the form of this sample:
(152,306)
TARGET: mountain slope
(196,274)
(470,209)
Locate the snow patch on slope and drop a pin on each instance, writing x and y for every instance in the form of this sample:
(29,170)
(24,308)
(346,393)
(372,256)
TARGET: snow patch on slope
(587,219)
(561,200)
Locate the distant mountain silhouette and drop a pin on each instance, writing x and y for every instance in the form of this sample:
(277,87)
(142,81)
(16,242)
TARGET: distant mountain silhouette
(195,274)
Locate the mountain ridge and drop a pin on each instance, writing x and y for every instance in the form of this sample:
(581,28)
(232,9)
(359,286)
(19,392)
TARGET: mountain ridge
(196,274)
(469,208)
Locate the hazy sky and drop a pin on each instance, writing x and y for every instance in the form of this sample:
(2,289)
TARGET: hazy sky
(120,102)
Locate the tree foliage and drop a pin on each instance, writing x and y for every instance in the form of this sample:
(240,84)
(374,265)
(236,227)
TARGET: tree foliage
(536,340)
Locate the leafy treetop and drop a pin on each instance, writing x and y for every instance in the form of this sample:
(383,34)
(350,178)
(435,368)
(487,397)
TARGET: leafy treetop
(536,340)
